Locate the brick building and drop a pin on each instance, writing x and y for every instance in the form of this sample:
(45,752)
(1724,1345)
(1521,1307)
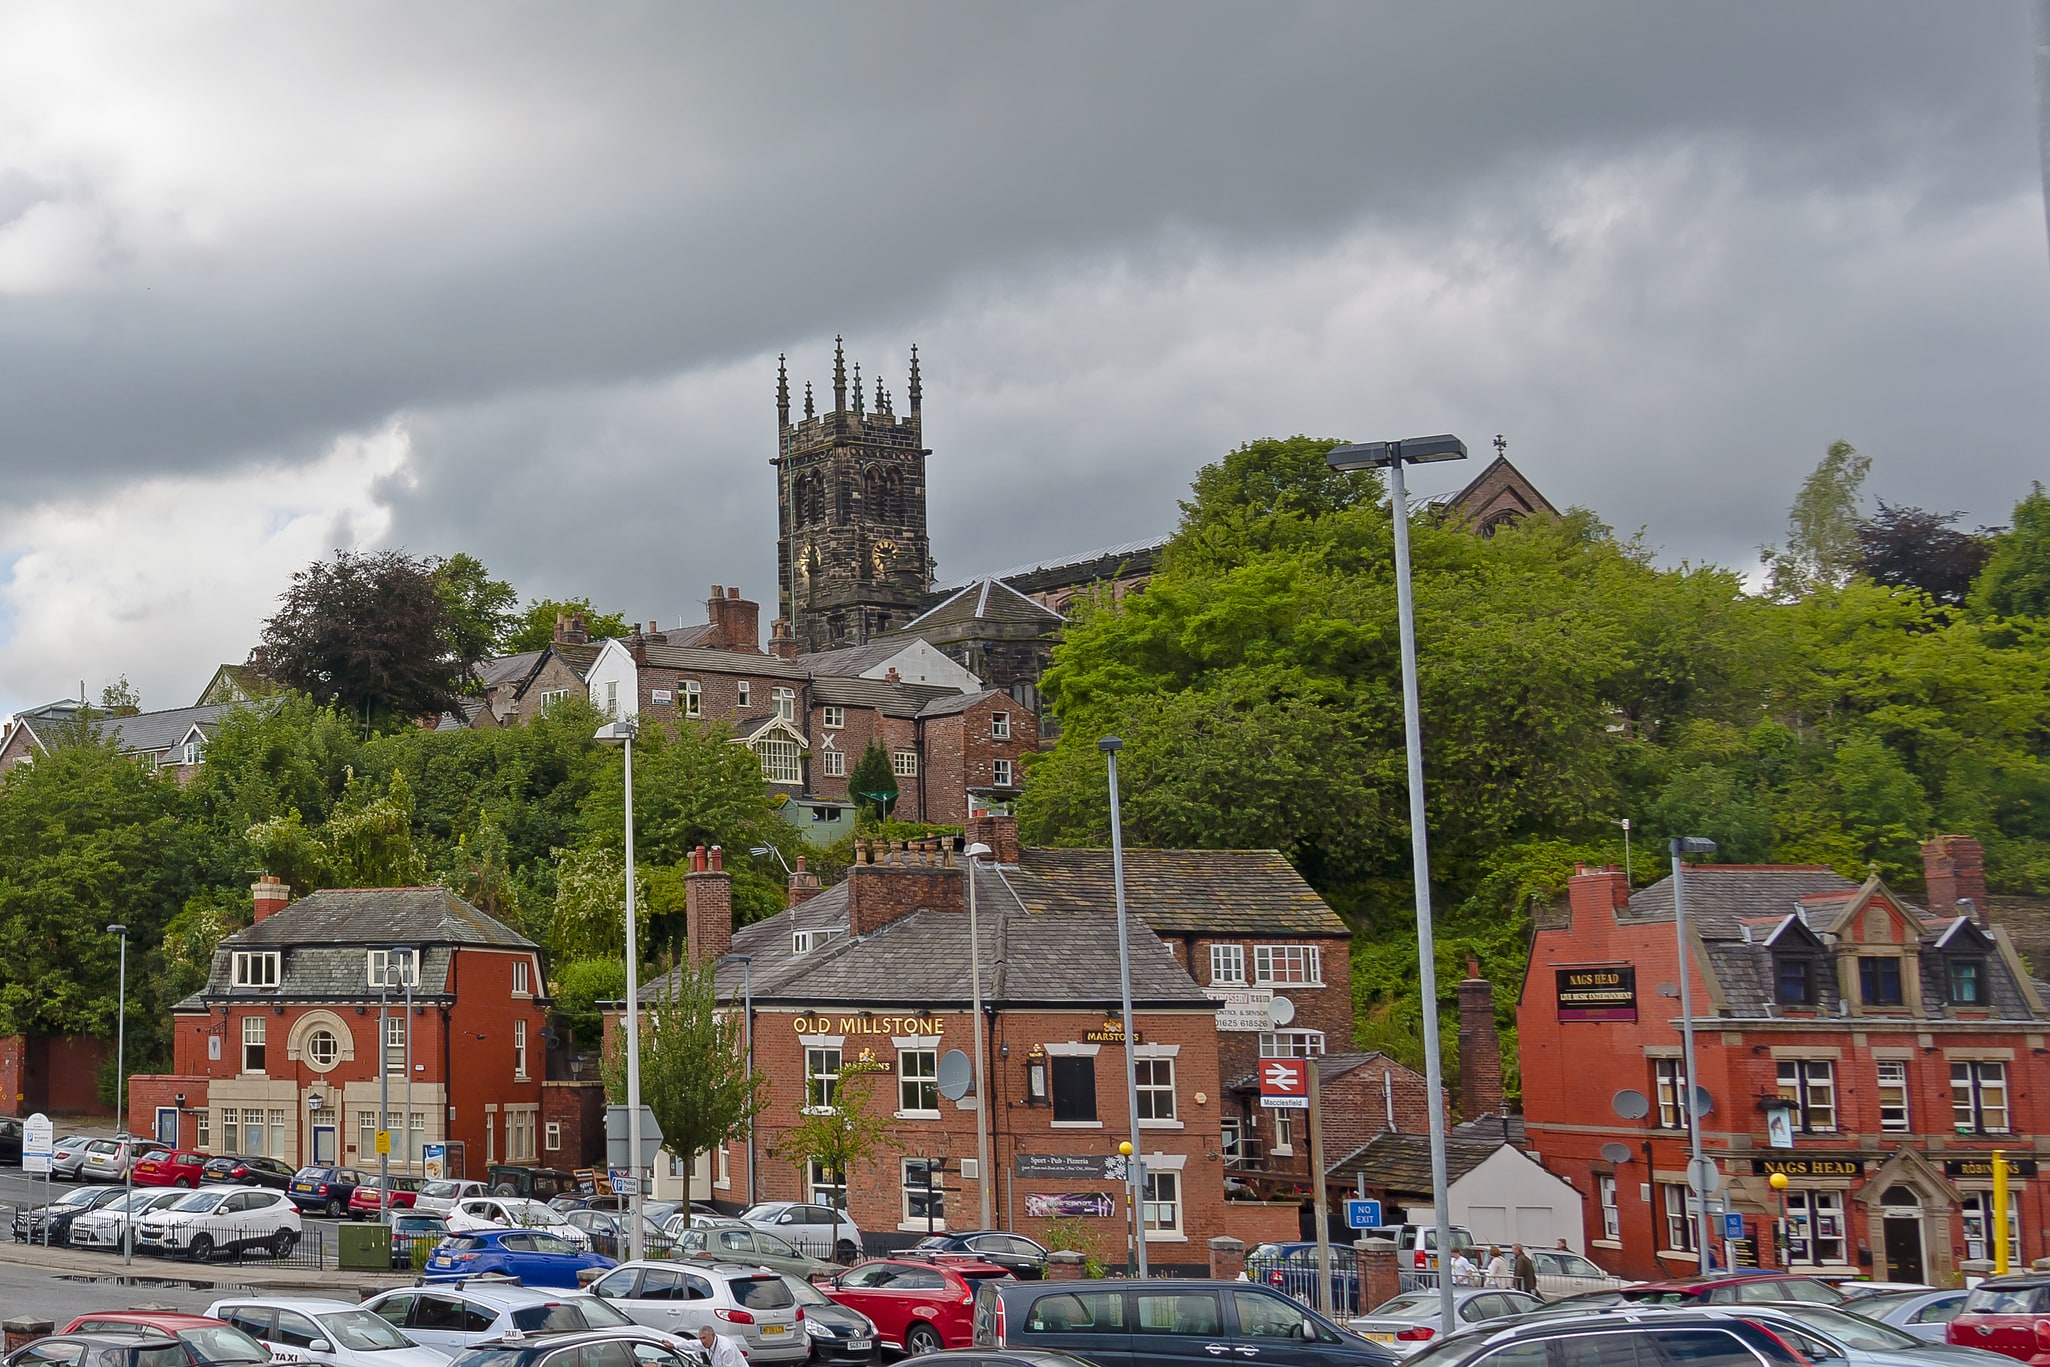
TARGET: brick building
(278,1054)
(1889,1048)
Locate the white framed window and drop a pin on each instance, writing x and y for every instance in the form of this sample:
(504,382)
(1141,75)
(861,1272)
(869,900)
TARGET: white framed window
(612,698)
(366,1136)
(323,1049)
(1291,1043)
(551,1135)
(925,1192)
(833,718)
(1815,1228)
(1978,1097)
(254,1030)
(256,968)
(1978,1204)
(743,691)
(824,1190)
(1669,1078)
(1163,1203)
(395,1044)
(904,763)
(551,696)
(1612,1216)
(805,941)
(821,1076)
(779,761)
(786,703)
(522,986)
(519,1135)
(835,763)
(204,1139)
(192,752)
(1679,1229)
(1227,963)
(1156,1088)
(1893,1095)
(416,1134)
(918,1081)
(693,698)
(520,1051)
(1000,773)
(999,726)
(1288,964)
(383,970)
(1810,1085)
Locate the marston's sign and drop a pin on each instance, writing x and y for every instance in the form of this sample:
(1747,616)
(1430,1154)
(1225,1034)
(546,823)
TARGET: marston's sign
(1983,1167)
(869,1025)
(1811,1166)
(1598,992)
(1112,1031)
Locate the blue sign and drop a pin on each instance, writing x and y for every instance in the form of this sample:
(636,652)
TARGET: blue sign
(1362,1214)
(1733,1225)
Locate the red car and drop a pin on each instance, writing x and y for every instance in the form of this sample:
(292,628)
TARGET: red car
(363,1202)
(918,1307)
(179,1169)
(2008,1315)
(1734,1287)
(208,1342)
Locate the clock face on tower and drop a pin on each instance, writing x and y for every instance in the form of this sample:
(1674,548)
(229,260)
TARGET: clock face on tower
(882,553)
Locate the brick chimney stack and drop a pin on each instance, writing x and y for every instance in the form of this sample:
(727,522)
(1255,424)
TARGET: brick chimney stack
(782,644)
(999,832)
(269,896)
(708,906)
(736,621)
(890,675)
(1480,1048)
(1955,867)
(570,629)
(890,879)
(804,884)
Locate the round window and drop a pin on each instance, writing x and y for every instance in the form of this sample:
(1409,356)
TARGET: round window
(322,1049)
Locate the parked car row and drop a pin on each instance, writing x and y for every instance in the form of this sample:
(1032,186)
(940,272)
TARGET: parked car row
(203,1224)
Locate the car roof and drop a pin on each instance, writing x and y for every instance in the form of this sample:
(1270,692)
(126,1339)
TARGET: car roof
(2016,1281)
(505,1295)
(156,1319)
(311,1305)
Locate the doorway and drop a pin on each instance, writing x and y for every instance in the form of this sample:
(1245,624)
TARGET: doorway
(323,1146)
(1900,1212)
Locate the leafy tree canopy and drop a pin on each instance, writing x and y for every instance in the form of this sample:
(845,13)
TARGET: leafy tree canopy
(1913,549)
(534,626)
(694,1072)
(1822,549)
(370,633)
(2016,581)
(481,610)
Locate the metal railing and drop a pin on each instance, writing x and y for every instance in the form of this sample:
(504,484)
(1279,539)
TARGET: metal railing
(279,1248)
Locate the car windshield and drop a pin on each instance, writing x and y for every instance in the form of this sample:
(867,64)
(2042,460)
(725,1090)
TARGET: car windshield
(761,1293)
(489,1357)
(805,1293)
(417,1224)
(1412,1305)
(219,1343)
(363,1331)
(201,1200)
(762,1212)
(84,1196)
(1854,1331)
(1886,1300)
(600,1314)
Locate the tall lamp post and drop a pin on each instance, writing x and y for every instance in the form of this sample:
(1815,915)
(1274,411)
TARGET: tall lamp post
(621,733)
(1699,1175)
(120,1095)
(1135,1167)
(1393,456)
(982,1108)
(407,976)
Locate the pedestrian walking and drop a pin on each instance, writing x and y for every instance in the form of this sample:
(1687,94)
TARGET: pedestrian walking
(1526,1275)
(1501,1270)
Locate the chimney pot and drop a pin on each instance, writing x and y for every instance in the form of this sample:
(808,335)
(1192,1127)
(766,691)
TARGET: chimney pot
(708,909)
(718,859)
(890,675)
(268,896)
(732,591)
(1955,869)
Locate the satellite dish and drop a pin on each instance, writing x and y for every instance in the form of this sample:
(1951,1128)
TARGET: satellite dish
(957,1074)
(1281,1011)
(1631,1104)
(1616,1153)
(1703,1102)
(1668,990)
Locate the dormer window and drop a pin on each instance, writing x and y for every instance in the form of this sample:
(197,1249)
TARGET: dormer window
(1794,980)
(1967,982)
(255,968)
(1879,980)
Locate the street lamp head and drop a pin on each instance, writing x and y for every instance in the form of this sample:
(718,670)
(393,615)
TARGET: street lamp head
(120,930)
(1690,844)
(1778,1181)
(976,851)
(1110,745)
(616,732)
(1374,455)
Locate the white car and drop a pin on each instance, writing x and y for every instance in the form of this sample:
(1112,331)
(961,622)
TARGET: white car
(102,1228)
(67,1153)
(440,1197)
(449,1318)
(109,1160)
(513,1212)
(1563,1273)
(217,1220)
(326,1331)
(817,1230)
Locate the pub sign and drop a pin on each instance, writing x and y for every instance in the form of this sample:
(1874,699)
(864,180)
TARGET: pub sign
(1598,992)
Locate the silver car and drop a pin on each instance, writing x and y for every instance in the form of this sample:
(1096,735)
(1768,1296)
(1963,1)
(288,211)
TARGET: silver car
(102,1228)
(67,1154)
(750,1304)
(1415,1319)
(449,1318)
(1830,1336)
(110,1160)
(1925,1314)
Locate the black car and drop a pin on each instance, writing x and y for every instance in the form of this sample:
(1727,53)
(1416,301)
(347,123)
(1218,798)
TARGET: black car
(1014,1253)
(10,1141)
(30,1223)
(324,1188)
(838,1333)
(573,1349)
(101,1350)
(541,1184)
(246,1170)
(1167,1323)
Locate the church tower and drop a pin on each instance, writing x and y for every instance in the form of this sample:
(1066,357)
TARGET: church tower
(853,558)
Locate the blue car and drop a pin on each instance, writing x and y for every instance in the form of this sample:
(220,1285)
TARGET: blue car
(1291,1269)
(535,1256)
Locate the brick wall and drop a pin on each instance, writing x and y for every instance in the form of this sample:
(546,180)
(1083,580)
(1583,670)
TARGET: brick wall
(961,749)
(148,1092)
(55,1074)
(1327,1007)
(577,1109)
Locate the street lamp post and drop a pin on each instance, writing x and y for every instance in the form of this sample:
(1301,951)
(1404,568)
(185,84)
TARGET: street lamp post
(1697,1169)
(384,1089)
(1394,455)
(982,1108)
(1135,1167)
(406,977)
(747,1028)
(120,1098)
(622,733)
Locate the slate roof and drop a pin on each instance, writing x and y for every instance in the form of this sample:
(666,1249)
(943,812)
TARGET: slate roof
(1029,957)
(1124,550)
(959,702)
(1721,896)
(1228,892)
(852,660)
(506,668)
(579,655)
(148,733)
(892,699)
(987,600)
(1402,1162)
(688,658)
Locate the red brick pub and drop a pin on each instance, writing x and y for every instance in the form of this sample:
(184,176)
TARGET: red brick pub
(1890,1049)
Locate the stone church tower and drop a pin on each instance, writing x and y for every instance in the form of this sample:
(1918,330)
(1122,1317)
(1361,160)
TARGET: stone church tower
(853,558)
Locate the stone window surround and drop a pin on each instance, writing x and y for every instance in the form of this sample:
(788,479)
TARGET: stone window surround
(312,1023)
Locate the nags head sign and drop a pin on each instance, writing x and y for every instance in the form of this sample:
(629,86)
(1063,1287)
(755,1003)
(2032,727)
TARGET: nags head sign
(1597,992)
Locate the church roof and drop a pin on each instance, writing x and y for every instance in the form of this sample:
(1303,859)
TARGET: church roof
(986,600)
(1147,549)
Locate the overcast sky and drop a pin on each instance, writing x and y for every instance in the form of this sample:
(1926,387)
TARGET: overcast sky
(512,279)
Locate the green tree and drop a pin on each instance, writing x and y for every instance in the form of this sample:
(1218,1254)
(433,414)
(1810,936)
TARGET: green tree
(533,628)
(694,1072)
(2016,580)
(481,610)
(365,842)
(842,1129)
(1822,549)
(873,783)
(580,986)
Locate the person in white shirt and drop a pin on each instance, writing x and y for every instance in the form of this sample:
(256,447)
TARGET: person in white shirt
(1462,1268)
(722,1351)
(1501,1270)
